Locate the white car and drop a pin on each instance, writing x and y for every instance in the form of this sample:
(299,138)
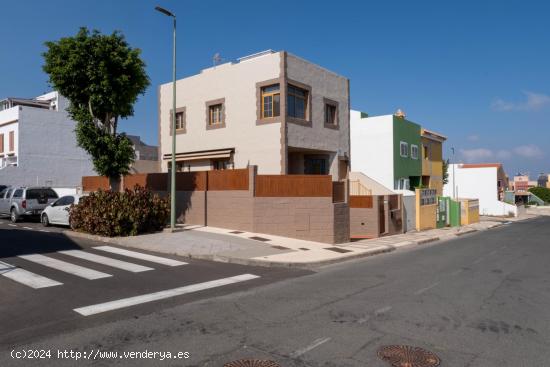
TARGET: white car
(58,211)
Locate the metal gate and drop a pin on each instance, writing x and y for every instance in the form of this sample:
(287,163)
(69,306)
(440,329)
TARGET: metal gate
(442,212)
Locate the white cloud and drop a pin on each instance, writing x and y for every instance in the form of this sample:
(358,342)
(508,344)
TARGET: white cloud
(529,151)
(473,137)
(503,154)
(534,101)
(476,155)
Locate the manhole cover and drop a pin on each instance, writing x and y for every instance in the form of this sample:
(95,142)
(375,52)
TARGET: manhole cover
(251,363)
(407,356)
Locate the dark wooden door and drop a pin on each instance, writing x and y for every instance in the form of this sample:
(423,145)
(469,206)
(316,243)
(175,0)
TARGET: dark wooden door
(381,215)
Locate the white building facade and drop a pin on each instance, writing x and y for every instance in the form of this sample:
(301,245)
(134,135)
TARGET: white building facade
(272,109)
(485,182)
(38,144)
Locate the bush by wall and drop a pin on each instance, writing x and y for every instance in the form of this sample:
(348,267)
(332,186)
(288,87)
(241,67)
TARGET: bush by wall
(127,213)
(542,192)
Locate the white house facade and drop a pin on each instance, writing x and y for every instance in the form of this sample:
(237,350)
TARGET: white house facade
(38,143)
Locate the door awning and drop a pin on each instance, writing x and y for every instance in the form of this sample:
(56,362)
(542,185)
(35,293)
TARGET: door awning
(204,154)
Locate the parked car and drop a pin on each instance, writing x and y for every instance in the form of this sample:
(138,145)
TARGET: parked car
(2,187)
(58,211)
(20,202)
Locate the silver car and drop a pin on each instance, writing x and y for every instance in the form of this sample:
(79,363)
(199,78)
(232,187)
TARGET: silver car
(25,201)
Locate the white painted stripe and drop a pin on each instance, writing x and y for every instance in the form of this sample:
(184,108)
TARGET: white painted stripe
(132,301)
(382,310)
(134,268)
(420,291)
(26,277)
(28,228)
(79,271)
(12,225)
(141,256)
(312,346)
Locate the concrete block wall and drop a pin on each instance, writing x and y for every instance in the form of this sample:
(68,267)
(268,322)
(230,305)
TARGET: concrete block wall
(230,209)
(364,222)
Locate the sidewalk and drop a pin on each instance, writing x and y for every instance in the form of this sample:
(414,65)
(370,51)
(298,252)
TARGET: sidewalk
(225,245)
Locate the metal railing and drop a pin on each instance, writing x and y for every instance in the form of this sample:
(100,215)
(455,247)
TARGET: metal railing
(8,161)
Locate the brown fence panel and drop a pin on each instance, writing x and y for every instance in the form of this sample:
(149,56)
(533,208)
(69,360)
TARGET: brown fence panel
(191,181)
(360,201)
(151,181)
(232,179)
(394,202)
(94,183)
(338,192)
(293,186)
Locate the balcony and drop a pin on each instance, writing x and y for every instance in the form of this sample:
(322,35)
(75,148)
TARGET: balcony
(8,161)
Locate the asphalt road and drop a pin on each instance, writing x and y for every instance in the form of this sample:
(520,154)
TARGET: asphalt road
(479,300)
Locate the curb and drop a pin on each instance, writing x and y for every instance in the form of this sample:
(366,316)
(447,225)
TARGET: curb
(458,234)
(426,240)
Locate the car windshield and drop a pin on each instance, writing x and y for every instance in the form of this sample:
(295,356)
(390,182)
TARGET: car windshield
(41,193)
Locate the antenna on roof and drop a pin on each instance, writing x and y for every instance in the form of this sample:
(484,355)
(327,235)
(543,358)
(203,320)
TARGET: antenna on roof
(217,59)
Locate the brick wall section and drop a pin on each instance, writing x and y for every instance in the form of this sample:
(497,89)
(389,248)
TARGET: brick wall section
(364,222)
(230,209)
(341,222)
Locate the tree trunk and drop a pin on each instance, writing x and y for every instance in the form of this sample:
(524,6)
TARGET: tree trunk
(115,184)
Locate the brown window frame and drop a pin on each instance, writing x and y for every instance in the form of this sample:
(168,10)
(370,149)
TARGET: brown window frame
(329,103)
(210,113)
(11,146)
(181,111)
(271,94)
(306,121)
(1,143)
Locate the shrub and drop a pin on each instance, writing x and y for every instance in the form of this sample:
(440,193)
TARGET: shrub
(127,213)
(542,192)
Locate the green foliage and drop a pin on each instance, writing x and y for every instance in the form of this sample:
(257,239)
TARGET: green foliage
(127,213)
(445,172)
(112,155)
(542,192)
(102,76)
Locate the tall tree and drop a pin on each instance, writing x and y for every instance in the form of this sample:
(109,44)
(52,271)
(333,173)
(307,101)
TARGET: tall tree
(445,172)
(102,77)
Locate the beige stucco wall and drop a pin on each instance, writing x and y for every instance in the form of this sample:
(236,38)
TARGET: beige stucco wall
(324,84)
(254,145)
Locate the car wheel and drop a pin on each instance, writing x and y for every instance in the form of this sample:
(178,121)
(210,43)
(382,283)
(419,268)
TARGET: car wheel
(13,216)
(45,220)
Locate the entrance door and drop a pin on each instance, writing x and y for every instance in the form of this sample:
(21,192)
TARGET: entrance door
(381,216)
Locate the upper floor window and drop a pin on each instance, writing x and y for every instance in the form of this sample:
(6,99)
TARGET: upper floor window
(426,152)
(271,101)
(180,120)
(11,141)
(215,112)
(297,102)
(1,143)
(414,151)
(330,114)
(403,149)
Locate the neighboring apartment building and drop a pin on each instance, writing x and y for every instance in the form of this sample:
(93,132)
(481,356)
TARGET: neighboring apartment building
(387,149)
(271,109)
(146,156)
(486,182)
(544,180)
(432,160)
(38,143)
(521,183)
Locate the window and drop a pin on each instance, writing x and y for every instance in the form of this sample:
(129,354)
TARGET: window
(66,200)
(271,101)
(402,184)
(220,164)
(18,193)
(180,122)
(331,117)
(297,102)
(215,113)
(404,149)
(414,151)
(12,141)
(41,193)
(426,152)
(1,143)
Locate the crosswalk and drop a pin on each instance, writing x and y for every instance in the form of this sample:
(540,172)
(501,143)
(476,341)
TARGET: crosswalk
(36,281)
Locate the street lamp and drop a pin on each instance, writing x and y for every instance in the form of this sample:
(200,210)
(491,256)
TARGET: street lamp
(173,164)
(454,187)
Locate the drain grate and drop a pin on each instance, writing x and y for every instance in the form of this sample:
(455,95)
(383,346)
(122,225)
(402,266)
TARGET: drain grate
(236,232)
(259,238)
(337,249)
(251,363)
(280,247)
(407,356)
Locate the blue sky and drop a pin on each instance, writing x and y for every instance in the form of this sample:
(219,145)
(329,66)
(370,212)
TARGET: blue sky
(475,71)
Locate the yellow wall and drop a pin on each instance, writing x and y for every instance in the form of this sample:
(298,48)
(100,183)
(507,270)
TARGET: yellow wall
(425,214)
(469,211)
(433,164)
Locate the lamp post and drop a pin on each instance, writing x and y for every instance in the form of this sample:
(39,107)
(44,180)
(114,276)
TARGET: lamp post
(173,163)
(454,187)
